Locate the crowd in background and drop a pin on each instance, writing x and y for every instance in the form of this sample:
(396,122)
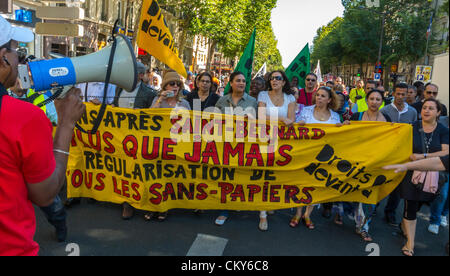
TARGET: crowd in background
(330,102)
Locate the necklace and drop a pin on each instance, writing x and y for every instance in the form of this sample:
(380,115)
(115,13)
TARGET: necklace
(370,119)
(321,117)
(276,99)
(427,140)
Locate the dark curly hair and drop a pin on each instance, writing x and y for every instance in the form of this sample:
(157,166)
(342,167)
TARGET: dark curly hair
(287,86)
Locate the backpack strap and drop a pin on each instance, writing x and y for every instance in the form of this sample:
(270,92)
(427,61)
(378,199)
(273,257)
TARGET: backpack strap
(306,97)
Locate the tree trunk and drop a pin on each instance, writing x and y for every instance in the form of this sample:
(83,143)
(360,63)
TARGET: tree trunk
(212,46)
(182,42)
(127,14)
(136,27)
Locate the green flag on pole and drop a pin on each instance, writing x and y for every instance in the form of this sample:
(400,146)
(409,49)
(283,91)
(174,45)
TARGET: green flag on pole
(300,67)
(245,64)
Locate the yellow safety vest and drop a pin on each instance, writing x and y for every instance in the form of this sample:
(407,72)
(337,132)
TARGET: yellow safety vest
(363,107)
(37,99)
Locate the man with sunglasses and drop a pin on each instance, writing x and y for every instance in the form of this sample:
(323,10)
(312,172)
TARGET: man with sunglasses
(305,95)
(32,163)
(431,92)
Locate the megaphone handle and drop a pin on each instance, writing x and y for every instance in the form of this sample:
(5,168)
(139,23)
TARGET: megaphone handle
(53,97)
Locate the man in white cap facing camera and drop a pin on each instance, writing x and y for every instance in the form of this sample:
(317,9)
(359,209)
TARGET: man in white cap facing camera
(32,163)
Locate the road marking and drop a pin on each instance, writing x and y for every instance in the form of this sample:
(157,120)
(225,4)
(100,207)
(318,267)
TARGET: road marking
(207,245)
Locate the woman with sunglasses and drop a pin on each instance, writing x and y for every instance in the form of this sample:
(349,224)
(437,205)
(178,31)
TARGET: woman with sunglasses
(280,102)
(321,112)
(169,97)
(171,93)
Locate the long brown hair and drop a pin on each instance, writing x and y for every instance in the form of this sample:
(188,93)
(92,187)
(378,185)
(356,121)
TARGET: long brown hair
(334,104)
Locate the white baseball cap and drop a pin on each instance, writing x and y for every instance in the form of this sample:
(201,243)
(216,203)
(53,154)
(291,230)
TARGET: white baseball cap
(8,32)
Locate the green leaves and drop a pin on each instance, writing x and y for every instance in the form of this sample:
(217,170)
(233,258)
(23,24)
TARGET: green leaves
(355,38)
(229,24)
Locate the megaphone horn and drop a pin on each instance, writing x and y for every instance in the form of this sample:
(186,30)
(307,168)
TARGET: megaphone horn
(46,74)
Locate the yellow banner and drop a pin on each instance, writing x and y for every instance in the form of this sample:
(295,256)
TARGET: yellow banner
(159,159)
(155,38)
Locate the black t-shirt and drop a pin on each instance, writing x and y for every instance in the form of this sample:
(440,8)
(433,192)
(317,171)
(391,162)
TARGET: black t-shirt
(210,101)
(418,106)
(358,117)
(439,137)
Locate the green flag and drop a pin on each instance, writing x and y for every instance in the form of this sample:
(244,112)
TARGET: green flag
(245,64)
(300,67)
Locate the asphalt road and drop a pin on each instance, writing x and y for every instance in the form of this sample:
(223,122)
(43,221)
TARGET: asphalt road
(97,229)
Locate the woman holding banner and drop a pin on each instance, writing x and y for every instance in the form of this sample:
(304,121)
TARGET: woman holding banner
(236,102)
(364,212)
(430,139)
(203,93)
(325,101)
(279,102)
(169,97)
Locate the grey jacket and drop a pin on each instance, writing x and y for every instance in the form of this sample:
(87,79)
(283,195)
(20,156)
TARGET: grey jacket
(408,117)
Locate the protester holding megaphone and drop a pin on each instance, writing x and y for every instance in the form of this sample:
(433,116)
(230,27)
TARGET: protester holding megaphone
(32,163)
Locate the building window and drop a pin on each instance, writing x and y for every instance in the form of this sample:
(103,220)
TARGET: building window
(59,49)
(119,13)
(87,8)
(105,7)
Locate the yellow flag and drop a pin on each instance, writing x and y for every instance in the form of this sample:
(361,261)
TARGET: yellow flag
(155,38)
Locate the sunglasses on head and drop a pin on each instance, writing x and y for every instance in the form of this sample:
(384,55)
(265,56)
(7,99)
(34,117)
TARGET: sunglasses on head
(326,88)
(278,78)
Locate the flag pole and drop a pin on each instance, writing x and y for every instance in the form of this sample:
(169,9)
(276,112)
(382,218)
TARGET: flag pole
(429,31)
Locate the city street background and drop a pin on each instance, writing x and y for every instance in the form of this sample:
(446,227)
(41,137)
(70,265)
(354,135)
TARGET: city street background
(99,230)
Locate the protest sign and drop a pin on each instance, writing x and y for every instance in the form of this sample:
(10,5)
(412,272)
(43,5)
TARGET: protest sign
(158,159)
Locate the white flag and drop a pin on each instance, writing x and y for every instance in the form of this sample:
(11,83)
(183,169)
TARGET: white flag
(262,72)
(318,72)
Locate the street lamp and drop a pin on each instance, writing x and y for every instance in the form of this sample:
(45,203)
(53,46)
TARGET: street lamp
(383,20)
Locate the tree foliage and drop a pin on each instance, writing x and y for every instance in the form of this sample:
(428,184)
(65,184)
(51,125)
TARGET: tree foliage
(228,24)
(355,37)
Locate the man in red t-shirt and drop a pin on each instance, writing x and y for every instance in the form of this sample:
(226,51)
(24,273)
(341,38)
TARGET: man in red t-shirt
(32,166)
(305,95)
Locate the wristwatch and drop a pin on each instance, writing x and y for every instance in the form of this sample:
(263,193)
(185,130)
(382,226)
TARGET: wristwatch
(425,155)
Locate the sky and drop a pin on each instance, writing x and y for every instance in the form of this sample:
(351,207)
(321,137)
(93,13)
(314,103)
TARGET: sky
(295,23)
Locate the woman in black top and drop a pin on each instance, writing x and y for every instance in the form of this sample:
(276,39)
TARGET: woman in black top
(203,92)
(364,212)
(375,99)
(430,139)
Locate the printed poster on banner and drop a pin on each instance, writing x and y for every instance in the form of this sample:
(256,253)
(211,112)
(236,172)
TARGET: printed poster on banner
(163,159)
(423,73)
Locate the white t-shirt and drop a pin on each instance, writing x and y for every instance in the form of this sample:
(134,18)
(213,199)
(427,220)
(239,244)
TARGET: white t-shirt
(95,90)
(282,111)
(127,99)
(307,115)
